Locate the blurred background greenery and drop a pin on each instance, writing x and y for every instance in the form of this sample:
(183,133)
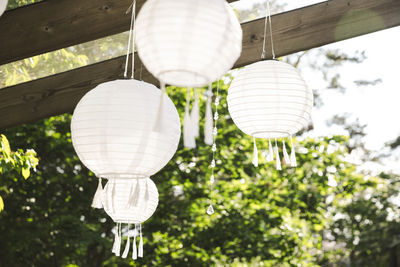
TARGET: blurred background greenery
(325,212)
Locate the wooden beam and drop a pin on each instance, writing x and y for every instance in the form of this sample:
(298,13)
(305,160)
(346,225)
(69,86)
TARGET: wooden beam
(294,31)
(50,25)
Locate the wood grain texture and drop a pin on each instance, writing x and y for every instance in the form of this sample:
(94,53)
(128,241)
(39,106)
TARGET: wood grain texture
(294,31)
(54,24)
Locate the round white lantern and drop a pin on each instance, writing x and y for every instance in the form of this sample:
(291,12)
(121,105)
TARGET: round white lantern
(113,131)
(188,43)
(269,99)
(130,201)
(3,6)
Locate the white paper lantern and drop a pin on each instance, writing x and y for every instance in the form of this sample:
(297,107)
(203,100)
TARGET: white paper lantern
(3,6)
(130,201)
(269,99)
(112,130)
(188,42)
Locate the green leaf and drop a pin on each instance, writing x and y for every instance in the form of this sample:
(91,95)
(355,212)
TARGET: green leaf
(1,204)
(5,145)
(26,173)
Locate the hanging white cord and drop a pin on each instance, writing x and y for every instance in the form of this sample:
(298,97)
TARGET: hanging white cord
(133,18)
(268,19)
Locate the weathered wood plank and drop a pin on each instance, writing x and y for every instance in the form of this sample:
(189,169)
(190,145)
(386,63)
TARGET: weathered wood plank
(51,25)
(294,31)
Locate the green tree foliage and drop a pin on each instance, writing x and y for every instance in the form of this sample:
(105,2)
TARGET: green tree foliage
(324,213)
(13,163)
(263,216)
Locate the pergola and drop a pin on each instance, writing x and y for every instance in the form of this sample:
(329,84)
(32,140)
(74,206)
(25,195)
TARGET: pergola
(50,25)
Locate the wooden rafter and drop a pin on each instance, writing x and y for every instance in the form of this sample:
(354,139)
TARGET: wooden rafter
(50,25)
(293,31)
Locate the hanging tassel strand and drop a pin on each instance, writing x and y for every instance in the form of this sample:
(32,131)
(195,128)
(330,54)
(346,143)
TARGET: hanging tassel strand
(255,153)
(96,203)
(285,154)
(195,115)
(158,124)
(188,135)
(128,241)
(117,241)
(278,159)
(208,125)
(270,156)
(118,252)
(210,209)
(293,154)
(114,247)
(113,184)
(146,194)
(134,195)
(134,248)
(140,250)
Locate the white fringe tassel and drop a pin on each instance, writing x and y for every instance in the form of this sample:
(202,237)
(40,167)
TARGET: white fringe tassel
(188,135)
(140,250)
(112,194)
(96,203)
(158,125)
(278,159)
(134,195)
(128,241)
(255,153)
(117,241)
(134,248)
(293,154)
(285,154)
(195,115)
(208,125)
(270,156)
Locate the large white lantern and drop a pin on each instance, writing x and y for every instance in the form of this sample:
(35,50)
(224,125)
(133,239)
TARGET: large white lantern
(3,6)
(188,43)
(131,202)
(269,99)
(113,131)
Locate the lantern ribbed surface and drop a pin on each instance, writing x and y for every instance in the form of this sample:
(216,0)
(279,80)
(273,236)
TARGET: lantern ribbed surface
(269,99)
(113,131)
(116,196)
(188,42)
(3,6)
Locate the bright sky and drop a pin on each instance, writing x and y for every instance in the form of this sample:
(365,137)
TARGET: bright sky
(379,105)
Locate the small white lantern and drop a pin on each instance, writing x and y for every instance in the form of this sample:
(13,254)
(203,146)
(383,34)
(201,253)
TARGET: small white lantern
(113,133)
(269,99)
(3,6)
(188,43)
(132,202)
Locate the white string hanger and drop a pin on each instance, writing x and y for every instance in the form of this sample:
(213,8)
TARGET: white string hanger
(268,20)
(131,40)
(268,111)
(263,55)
